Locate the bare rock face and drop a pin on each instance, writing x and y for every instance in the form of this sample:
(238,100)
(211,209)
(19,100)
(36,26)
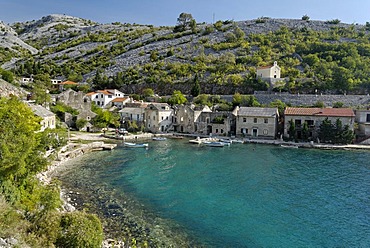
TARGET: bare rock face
(7,90)
(10,40)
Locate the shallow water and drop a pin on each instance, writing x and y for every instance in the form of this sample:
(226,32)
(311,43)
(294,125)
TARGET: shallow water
(244,195)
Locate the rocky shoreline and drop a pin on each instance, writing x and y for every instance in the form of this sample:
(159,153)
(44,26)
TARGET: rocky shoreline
(124,221)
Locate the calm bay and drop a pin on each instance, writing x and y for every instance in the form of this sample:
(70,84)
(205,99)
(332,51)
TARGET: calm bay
(244,195)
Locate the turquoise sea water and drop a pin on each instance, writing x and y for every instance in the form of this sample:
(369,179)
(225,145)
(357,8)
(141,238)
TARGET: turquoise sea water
(246,195)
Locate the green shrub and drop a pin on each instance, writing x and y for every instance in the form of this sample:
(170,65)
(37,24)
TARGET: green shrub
(80,229)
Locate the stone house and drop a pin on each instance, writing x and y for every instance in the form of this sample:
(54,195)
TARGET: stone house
(158,117)
(48,119)
(104,98)
(78,101)
(220,123)
(314,118)
(256,122)
(185,117)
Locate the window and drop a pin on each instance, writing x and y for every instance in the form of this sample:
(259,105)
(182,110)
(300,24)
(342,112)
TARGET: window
(153,117)
(368,118)
(88,118)
(109,96)
(255,120)
(167,118)
(222,131)
(97,96)
(298,123)
(265,131)
(310,123)
(101,95)
(162,118)
(266,120)
(137,117)
(244,119)
(216,130)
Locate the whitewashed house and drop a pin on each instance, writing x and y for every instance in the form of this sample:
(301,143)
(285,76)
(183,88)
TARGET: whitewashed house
(104,98)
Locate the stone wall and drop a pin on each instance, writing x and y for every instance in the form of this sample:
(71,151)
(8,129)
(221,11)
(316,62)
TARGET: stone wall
(353,101)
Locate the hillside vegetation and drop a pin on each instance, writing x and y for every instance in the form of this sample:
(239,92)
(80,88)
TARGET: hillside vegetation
(222,57)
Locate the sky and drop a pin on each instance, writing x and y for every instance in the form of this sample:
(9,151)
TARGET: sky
(166,12)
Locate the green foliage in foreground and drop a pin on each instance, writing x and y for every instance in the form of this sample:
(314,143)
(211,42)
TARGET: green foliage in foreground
(28,209)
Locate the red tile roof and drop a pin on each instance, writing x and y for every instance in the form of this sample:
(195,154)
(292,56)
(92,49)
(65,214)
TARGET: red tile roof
(340,112)
(90,93)
(120,99)
(104,92)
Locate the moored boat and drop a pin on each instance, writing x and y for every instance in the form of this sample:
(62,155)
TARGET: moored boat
(215,143)
(289,146)
(159,138)
(135,145)
(227,141)
(237,141)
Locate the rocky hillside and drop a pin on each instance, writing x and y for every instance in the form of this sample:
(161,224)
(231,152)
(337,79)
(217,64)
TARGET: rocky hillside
(7,89)
(75,48)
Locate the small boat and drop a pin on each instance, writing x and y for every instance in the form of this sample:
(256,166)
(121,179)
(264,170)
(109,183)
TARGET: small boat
(215,143)
(133,145)
(196,141)
(289,146)
(159,138)
(226,141)
(237,141)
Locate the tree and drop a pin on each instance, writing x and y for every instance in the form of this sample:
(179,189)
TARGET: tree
(183,21)
(338,105)
(147,92)
(105,118)
(292,130)
(193,26)
(154,55)
(7,75)
(305,132)
(237,99)
(239,33)
(195,91)
(177,98)
(19,155)
(326,131)
(305,18)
